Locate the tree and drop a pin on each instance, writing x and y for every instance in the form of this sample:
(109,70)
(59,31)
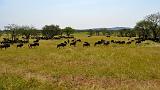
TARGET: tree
(97,32)
(27,31)
(51,30)
(12,28)
(69,31)
(154,20)
(104,31)
(131,33)
(91,32)
(1,33)
(143,29)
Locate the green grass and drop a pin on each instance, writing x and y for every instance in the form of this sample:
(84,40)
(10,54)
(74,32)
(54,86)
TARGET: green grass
(102,67)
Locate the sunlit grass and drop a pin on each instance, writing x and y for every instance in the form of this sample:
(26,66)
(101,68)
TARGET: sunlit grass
(102,67)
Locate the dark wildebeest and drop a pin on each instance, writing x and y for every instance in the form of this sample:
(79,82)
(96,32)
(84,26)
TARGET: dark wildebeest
(4,46)
(129,42)
(98,43)
(33,45)
(20,45)
(122,42)
(68,41)
(79,40)
(138,42)
(65,42)
(73,40)
(108,36)
(36,41)
(112,41)
(86,44)
(73,44)
(61,45)
(106,43)
(119,42)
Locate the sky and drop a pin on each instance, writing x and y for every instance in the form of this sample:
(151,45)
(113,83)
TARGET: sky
(79,14)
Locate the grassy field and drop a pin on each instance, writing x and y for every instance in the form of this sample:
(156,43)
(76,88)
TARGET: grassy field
(91,68)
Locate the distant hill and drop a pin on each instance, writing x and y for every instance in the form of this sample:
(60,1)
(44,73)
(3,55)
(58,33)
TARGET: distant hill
(113,28)
(118,28)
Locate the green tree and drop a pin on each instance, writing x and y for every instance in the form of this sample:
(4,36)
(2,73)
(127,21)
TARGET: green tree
(12,28)
(104,31)
(154,20)
(143,29)
(68,31)
(90,32)
(51,30)
(1,33)
(27,31)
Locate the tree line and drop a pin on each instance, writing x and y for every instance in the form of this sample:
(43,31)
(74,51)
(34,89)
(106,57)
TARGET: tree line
(48,31)
(148,28)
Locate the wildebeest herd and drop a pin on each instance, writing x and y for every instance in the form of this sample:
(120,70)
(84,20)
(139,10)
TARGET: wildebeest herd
(6,43)
(100,42)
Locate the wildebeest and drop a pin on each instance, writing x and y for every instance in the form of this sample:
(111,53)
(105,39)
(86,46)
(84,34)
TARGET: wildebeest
(138,42)
(57,38)
(79,40)
(108,36)
(33,45)
(68,41)
(106,43)
(129,42)
(86,44)
(119,42)
(25,41)
(20,45)
(73,44)
(65,42)
(36,41)
(112,41)
(4,46)
(73,40)
(61,45)
(98,43)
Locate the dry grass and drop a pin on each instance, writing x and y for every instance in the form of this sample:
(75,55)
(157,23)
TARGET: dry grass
(93,68)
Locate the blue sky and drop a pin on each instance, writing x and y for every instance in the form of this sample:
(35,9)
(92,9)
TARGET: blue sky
(78,14)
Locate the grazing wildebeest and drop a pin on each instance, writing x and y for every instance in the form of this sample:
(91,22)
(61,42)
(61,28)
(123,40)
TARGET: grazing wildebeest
(122,42)
(108,36)
(65,42)
(98,43)
(61,45)
(20,45)
(33,45)
(119,42)
(106,43)
(73,44)
(57,38)
(112,41)
(25,41)
(4,46)
(36,41)
(79,40)
(86,44)
(68,41)
(138,42)
(37,44)
(129,42)
(73,40)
